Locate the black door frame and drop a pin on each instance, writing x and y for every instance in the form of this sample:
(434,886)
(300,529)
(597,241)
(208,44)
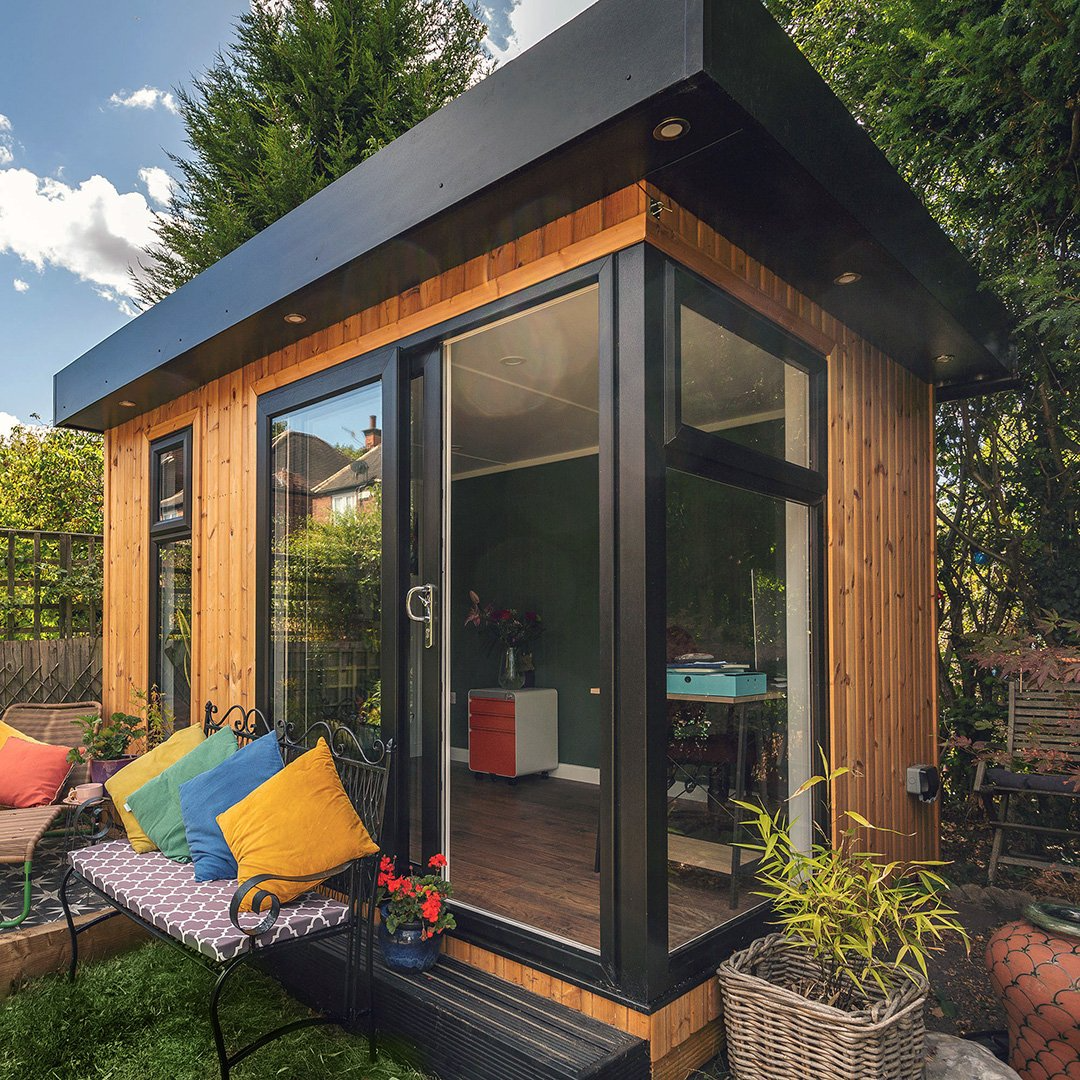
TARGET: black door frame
(636,444)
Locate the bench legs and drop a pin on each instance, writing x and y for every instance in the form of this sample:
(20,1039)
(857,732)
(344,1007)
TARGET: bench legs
(7,924)
(73,930)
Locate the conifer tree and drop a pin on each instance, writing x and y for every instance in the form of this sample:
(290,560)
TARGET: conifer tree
(308,89)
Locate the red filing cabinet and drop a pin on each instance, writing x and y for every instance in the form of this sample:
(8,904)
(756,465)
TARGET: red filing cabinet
(513,732)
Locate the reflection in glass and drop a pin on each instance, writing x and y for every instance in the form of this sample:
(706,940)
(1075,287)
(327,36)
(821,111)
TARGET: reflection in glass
(171,481)
(738,594)
(525,536)
(733,387)
(326,560)
(174,627)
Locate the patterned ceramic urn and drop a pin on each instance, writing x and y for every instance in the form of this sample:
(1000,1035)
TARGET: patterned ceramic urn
(1035,968)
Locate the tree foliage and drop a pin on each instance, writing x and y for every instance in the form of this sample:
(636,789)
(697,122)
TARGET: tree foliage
(977,103)
(51,479)
(308,89)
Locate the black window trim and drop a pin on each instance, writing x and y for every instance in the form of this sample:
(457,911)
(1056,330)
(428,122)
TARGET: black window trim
(161,534)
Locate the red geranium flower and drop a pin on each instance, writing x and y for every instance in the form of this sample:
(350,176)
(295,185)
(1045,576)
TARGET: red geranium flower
(437,862)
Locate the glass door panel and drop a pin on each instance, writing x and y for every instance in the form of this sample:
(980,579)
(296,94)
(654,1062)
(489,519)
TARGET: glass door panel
(524,574)
(326,562)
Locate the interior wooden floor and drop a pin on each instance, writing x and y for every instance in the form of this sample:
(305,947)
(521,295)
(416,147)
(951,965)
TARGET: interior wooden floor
(526,853)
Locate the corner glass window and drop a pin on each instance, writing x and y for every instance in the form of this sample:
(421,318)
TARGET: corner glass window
(738,688)
(172,482)
(737,376)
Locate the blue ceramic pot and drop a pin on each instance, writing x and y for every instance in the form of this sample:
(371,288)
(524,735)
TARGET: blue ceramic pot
(406,950)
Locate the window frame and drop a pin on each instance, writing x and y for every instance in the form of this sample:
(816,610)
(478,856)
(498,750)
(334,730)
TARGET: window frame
(161,534)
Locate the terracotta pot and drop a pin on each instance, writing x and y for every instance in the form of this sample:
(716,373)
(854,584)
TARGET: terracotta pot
(1034,964)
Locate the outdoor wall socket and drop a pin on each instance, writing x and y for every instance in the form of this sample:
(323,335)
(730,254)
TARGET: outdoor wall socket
(924,782)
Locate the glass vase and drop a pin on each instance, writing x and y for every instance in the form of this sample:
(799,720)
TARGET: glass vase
(511,677)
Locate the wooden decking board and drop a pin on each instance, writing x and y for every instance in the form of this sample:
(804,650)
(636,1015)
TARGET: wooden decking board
(461,1023)
(488,1029)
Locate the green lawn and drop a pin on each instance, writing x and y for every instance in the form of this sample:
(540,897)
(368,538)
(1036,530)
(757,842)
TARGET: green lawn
(143,1016)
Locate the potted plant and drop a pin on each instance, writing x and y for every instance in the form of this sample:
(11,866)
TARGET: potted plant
(512,631)
(838,993)
(105,744)
(414,913)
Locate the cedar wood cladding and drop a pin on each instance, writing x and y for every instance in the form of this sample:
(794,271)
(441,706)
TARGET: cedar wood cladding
(880,528)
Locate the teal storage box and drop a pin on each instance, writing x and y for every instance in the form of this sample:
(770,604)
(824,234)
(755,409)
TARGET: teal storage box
(709,684)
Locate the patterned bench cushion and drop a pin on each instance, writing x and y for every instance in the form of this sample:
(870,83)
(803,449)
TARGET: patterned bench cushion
(166,894)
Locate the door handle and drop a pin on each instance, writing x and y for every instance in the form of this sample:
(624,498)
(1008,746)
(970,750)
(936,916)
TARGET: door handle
(423,593)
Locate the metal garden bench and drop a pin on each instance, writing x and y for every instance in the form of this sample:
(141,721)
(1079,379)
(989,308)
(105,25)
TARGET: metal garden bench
(1039,721)
(204,918)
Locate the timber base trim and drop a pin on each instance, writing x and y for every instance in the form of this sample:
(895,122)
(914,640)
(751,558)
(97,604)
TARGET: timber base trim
(42,950)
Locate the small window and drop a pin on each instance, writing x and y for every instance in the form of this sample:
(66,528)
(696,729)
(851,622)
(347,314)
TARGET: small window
(170,475)
(738,376)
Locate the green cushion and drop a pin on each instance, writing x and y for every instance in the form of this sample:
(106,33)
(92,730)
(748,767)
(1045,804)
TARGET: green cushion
(156,805)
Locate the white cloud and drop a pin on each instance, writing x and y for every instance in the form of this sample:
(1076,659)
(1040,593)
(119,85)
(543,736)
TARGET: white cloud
(93,230)
(20,285)
(149,97)
(158,183)
(516,25)
(7,422)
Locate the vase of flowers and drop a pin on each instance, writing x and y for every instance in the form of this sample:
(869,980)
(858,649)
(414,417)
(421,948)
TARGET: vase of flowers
(512,632)
(414,914)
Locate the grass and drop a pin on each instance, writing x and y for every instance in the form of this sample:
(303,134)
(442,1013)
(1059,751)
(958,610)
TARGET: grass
(143,1016)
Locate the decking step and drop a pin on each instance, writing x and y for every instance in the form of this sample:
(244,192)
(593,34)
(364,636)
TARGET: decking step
(459,1023)
(468,1025)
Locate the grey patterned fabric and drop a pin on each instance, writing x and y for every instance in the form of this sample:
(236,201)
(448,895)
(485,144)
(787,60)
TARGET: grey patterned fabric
(167,895)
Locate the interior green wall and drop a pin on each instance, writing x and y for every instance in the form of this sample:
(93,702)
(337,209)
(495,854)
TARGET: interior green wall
(530,539)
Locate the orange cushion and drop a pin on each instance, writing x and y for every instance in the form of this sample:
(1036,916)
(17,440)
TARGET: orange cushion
(31,773)
(133,775)
(7,731)
(299,822)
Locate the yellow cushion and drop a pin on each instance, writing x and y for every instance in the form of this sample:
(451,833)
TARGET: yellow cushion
(300,821)
(133,775)
(6,731)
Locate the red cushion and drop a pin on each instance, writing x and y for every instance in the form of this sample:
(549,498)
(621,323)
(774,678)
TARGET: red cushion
(31,774)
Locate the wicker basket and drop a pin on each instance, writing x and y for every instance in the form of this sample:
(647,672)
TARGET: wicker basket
(777,1034)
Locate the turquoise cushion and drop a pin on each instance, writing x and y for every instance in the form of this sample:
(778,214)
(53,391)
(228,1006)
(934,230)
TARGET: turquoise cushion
(214,792)
(156,805)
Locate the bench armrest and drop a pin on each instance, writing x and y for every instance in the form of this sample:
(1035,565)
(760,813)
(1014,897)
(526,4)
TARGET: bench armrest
(93,821)
(253,886)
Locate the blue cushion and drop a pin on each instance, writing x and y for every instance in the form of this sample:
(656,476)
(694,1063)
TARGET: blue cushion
(214,792)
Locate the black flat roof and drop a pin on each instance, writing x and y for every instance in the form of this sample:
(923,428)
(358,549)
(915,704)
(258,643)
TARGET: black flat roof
(772,160)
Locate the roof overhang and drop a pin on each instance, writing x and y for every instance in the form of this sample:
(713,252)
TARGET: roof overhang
(772,160)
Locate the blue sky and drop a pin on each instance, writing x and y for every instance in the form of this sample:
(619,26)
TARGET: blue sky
(86,120)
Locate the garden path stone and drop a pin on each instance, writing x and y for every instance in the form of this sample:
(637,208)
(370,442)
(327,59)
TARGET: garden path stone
(949,1058)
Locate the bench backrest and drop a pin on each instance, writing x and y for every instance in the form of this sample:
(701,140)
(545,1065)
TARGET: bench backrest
(1046,719)
(364,772)
(54,724)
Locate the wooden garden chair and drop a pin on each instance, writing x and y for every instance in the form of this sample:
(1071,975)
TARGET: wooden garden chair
(21,830)
(1039,720)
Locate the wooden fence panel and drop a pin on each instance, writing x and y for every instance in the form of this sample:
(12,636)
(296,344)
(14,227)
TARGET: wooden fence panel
(50,584)
(64,669)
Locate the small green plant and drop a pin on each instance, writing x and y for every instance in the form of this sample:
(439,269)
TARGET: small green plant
(157,716)
(105,740)
(865,920)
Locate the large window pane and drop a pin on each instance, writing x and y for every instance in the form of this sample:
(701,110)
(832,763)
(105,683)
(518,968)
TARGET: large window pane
(737,594)
(730,381)
(173,660)
(525,538)
(326,558)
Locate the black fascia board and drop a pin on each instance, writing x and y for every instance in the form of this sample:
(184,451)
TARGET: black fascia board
(561,126)
(779,87)
(612,57)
